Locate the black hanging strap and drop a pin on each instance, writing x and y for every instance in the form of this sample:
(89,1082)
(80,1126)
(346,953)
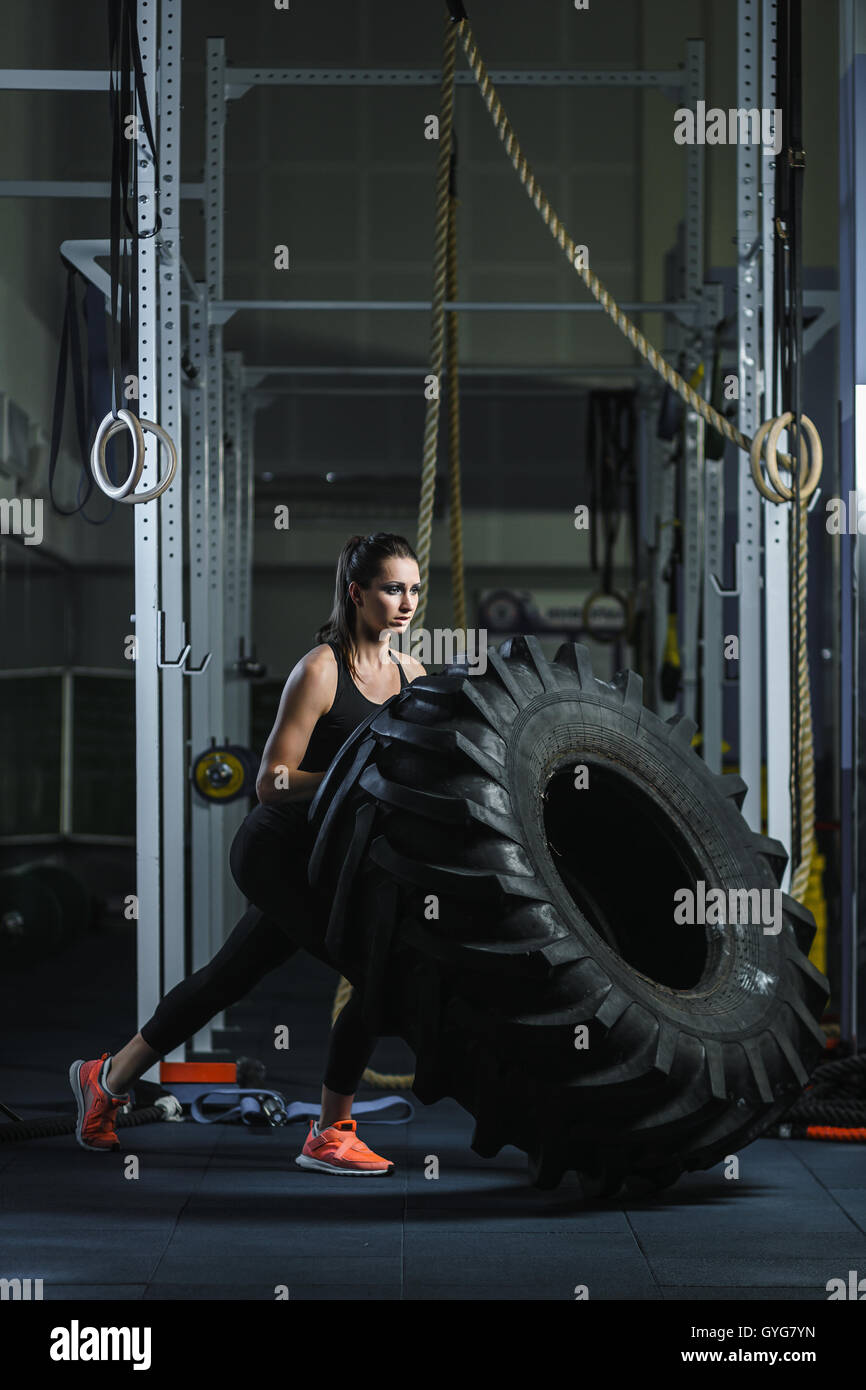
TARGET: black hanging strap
(610,451)
(124,60)
(70,352)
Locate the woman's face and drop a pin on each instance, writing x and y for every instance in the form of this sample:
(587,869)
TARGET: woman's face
(391,599)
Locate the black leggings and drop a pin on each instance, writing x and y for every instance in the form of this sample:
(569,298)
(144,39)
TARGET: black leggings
(268,860)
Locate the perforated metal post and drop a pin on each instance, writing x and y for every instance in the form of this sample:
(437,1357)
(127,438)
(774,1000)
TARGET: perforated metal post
(712,652)
(198,473)
(749,501)
(245,596)
(776,519)
(171,504)
(663,476)
(852,449)
(215,117)
(233,446)
(693,479)
(236,696)
(148,805)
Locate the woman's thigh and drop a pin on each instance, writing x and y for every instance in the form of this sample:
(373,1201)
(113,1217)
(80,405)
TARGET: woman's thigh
(268,858)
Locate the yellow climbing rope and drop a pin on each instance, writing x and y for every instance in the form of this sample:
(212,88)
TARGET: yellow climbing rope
(455,501)
(762,446)
(444,283)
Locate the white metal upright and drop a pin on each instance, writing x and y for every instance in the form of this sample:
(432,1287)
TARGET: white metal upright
(749,502)
(171,504)
(148,809)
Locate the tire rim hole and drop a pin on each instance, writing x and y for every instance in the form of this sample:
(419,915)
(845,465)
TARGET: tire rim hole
(621,860)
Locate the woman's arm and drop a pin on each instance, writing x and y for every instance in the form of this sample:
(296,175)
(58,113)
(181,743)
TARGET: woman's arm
(308,693)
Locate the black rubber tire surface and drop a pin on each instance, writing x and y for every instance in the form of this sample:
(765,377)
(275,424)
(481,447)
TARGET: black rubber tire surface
(486,909)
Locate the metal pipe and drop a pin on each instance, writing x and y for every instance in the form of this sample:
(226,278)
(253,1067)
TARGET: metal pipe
(422,306)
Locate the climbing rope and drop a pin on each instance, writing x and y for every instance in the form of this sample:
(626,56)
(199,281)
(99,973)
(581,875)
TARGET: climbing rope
(437,328)
(765,437)
(455,506)
(443,345)
(555,227)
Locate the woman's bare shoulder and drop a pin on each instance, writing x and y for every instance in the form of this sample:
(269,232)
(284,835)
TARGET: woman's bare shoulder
(321,655)
(318,666)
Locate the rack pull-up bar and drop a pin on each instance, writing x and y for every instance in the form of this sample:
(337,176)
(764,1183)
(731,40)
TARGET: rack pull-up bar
(238,81)
(226,307)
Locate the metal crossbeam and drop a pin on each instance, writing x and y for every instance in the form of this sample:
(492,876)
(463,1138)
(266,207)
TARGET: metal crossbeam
(75,188)
(53,80)
(223,309)
(240,80)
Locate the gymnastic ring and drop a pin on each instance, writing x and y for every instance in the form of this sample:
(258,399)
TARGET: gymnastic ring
(158,488)
(817,460)
(110,426)
(126,495)
(755,460)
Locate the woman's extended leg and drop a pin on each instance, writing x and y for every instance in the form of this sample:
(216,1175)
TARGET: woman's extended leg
(255,946)
(350,1045)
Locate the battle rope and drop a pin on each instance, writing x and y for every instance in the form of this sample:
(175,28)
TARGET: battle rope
(833,1106)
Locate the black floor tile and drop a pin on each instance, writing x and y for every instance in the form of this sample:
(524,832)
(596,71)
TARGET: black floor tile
(223,1213)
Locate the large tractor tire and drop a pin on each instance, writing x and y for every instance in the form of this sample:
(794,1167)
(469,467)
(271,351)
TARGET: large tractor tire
(517,928)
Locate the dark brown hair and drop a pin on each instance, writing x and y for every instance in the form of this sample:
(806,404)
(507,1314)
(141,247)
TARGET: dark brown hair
(360,562)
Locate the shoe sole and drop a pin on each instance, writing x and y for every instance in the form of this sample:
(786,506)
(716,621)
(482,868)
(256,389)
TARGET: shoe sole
(304,1161)
(81,1102)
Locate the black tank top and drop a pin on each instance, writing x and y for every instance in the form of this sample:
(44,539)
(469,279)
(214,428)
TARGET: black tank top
(349,709)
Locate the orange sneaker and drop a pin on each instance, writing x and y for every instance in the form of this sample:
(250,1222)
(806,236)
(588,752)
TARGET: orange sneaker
(338,1149)
(97,1106)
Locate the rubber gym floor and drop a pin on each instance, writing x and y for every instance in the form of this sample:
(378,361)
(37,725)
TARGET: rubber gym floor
(222,1212)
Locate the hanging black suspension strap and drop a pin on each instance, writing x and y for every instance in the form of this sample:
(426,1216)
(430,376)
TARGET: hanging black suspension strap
(613,486)
(70,354)
(126,84)
(126,81)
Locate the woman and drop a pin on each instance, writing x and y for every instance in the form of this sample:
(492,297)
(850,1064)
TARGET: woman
(328,694)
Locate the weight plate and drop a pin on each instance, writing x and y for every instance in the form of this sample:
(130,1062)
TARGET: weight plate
(221,774)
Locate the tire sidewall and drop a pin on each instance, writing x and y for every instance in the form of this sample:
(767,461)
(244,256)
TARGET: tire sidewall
(739,987)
